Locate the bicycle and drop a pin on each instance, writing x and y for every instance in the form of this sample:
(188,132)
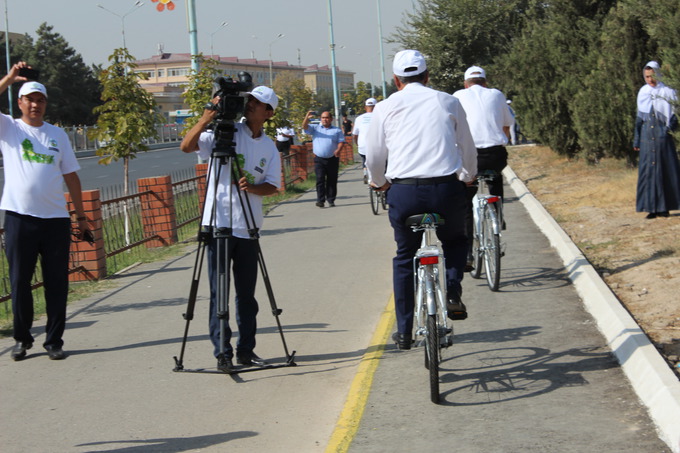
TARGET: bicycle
(486,238)
(430,296)
(378,199)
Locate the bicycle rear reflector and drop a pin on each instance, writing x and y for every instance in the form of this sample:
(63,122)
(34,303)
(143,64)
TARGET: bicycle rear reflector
(429,260)
(493,199)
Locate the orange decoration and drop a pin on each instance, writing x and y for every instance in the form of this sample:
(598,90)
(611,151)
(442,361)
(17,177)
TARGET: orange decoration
(163,4)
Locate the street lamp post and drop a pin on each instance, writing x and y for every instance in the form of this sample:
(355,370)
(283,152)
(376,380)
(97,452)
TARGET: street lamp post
(271,73)
(223,24)
(9,66)
(336,97)
(382,56)
(134,8)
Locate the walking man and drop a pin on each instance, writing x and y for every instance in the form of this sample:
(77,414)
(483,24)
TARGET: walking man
(361,124)
(418,143)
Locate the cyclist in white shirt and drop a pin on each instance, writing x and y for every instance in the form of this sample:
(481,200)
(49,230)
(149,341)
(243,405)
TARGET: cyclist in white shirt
(361,124)
(418,142)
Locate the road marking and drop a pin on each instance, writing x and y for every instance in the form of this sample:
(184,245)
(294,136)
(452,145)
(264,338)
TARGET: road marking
(350,417)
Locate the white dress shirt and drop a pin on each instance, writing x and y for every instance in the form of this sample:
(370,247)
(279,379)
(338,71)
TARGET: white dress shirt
(420,133)
(487,114)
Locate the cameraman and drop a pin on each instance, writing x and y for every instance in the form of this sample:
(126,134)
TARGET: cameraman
(260,176)
(38,159)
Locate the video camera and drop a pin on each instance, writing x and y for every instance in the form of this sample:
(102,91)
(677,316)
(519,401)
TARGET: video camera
(232,103)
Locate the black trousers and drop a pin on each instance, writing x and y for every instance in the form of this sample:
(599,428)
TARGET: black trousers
(494,158)
(326,170)
(283,147)
(26,238)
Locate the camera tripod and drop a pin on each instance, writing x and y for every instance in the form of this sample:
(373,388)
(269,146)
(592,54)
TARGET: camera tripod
(224,154)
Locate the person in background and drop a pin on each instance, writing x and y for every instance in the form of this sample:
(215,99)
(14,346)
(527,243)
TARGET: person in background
(513,125)
(419,149)
(327,141)
(346,126)
(361,124)
(38,159)
(284,139)
(658,188)
(261,176)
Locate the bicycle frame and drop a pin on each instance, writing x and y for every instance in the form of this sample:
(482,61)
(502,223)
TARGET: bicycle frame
(487,247)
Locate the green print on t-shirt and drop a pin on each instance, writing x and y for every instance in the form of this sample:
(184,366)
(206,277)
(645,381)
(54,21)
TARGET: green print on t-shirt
(31,156)
(241,160)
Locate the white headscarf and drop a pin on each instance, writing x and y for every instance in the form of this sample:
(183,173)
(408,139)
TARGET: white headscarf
(658,98)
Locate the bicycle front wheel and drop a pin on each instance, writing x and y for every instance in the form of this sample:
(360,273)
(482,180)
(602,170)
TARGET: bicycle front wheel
(432,351)
(492,247)
(375,201)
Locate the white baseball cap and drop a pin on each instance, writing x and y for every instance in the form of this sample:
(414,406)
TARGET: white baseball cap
(266,95)
(371,101)
(474,72)
(408,63)
(32,87)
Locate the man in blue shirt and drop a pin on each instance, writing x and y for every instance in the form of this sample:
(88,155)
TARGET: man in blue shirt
(327,141)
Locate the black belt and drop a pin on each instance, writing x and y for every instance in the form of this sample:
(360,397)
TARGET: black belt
(425,181)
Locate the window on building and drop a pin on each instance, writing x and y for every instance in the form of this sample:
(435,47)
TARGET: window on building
(178,72)
(161,73)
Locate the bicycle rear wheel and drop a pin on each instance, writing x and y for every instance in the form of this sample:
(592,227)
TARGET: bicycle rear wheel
(432,353)
(492,248)
(375,201)
(476,253)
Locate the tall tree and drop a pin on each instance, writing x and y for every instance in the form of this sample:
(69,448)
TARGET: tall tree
(200,90)
(128,115)
(456,34)
(295,100)
(72,86)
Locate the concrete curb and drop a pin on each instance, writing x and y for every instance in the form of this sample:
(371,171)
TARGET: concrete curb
(654,382)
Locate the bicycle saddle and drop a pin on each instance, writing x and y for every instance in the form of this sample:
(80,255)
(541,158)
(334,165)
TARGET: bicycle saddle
(428,218)
(488,173)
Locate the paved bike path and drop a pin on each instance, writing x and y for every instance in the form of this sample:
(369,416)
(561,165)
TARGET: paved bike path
(529,371)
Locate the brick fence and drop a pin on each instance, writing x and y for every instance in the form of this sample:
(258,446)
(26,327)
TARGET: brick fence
(158,210)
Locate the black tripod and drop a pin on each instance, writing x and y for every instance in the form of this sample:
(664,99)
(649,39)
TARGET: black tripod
(224,153)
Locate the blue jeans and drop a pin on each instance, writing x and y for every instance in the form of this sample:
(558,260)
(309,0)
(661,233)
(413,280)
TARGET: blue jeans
(243,261)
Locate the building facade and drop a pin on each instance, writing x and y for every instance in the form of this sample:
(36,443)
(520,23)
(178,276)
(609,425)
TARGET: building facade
(169,76)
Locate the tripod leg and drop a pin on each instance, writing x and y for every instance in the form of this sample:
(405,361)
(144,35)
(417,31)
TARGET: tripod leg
(272,301)
(222,287)
(189,315)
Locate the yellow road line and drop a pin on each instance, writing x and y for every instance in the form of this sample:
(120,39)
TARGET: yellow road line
(348,423)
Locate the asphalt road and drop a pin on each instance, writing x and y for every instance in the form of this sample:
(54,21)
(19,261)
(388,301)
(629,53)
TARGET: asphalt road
(528,372)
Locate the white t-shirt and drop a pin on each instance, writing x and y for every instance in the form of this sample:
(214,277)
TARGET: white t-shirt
(281,133)
(420,133)
(259,160)
(35,160)
(361,124)
(487,114)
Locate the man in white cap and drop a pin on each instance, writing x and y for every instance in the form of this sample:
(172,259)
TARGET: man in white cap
(260,166)
(417,145)
(38,159)
(489,119)
(361,124)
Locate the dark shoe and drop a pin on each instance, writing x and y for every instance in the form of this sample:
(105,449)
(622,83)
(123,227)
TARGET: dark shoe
(403,340)
(455,309)
(19,350)
(250,359)
(469,264)
(319,204)
(55,353)
(331,204)
(663,214)
(651,215)
(225,365)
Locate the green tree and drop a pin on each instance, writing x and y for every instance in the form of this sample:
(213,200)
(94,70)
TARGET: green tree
(72,87)
(295,100)
(455,34)
(128,115)
(200,90)
(548,65)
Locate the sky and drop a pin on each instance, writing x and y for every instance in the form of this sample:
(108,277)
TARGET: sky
(253,28)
